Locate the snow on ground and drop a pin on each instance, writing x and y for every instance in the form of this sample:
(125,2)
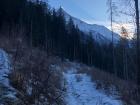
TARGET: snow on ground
(6,89)
(81,91)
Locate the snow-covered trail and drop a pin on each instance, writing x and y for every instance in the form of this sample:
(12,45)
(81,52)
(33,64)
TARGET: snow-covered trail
(81,91)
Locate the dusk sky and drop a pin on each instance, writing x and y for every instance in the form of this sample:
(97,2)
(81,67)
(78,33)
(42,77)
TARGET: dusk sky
(90,11)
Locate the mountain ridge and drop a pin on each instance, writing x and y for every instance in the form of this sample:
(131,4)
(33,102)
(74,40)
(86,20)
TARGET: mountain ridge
(99,32)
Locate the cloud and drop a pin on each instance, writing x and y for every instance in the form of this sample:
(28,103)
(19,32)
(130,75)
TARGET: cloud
(116,27)
(130,28)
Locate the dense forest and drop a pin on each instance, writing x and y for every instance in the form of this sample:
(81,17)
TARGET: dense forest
(47,29)
(37,36)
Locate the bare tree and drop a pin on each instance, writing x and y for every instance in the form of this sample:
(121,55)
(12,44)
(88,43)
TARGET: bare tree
(124,34)
(136,12)
(111,10)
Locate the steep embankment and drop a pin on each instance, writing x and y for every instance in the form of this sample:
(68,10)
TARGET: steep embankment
(7,93)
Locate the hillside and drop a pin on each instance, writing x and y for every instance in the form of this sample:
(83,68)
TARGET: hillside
(77,88)
(99,32)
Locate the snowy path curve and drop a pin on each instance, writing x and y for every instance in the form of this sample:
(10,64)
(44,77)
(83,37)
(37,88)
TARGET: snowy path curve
(81,91)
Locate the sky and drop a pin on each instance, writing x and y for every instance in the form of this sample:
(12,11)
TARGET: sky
(90,11)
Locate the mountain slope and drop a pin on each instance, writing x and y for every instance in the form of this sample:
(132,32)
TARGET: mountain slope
(99,32)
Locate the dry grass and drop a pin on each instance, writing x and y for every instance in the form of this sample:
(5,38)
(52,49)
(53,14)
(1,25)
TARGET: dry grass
(35,70)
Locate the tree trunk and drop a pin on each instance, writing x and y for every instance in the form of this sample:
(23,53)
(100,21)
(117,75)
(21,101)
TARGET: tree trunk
(138,43)
(113,52)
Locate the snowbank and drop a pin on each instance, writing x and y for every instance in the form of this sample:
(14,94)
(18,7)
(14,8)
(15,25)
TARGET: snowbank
(6,90)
